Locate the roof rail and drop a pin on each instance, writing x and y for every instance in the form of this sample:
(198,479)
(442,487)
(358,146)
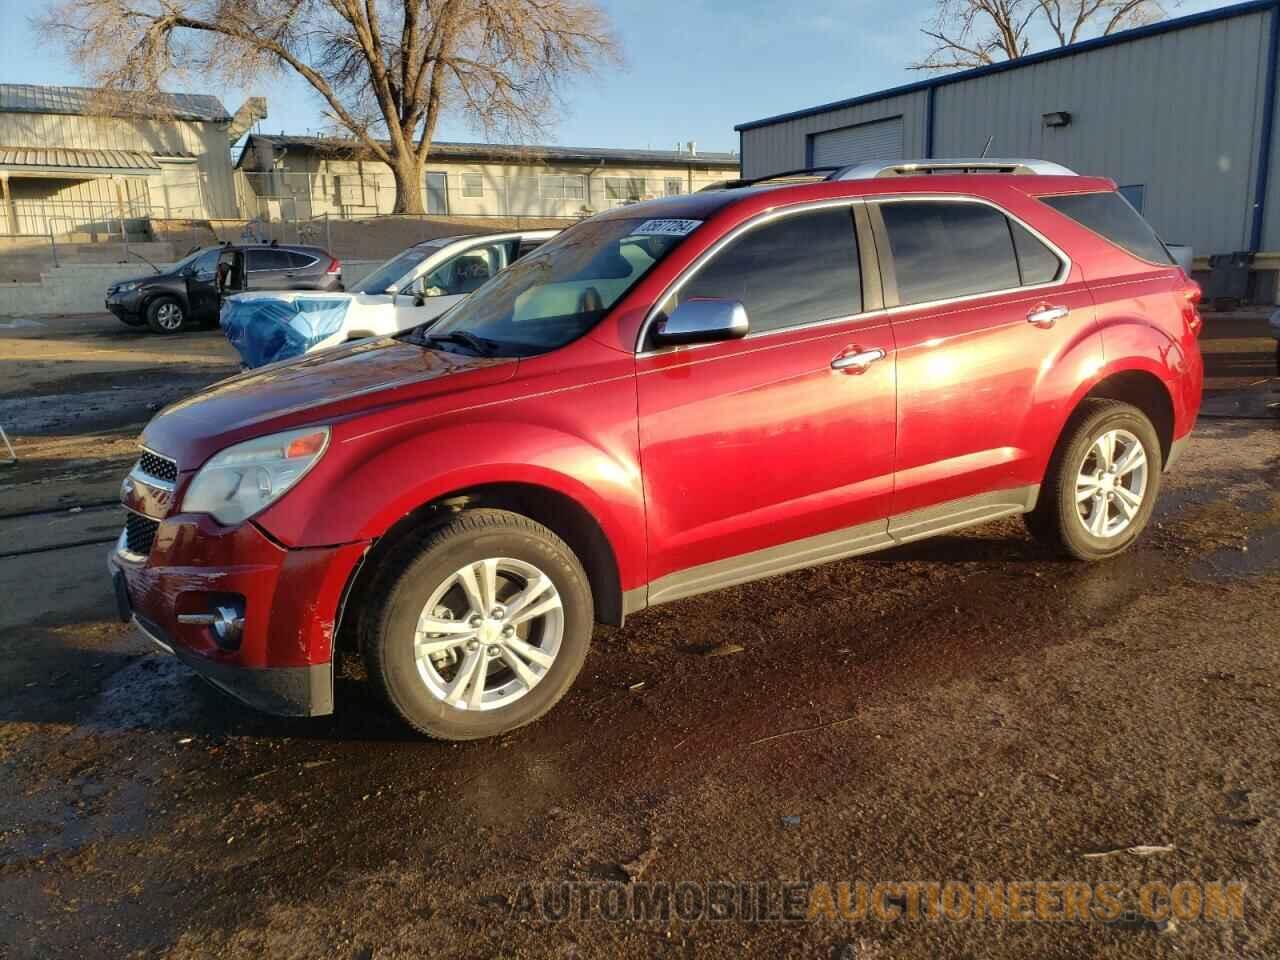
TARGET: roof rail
(912,168)
(804,173)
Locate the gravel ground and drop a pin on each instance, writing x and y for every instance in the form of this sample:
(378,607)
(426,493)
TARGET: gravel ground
(965,708)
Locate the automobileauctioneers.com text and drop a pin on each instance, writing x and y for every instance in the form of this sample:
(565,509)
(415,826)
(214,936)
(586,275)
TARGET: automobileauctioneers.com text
(1062,901)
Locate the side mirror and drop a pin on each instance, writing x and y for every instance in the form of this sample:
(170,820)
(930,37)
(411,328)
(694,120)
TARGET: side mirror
(394,291)
(703,321)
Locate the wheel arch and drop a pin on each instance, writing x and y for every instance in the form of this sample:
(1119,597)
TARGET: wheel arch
(150,298)
(1142,389)
(554,509)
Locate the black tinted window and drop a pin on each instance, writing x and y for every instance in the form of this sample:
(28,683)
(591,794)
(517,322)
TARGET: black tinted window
(943,250)
(1109,215)
(1036,262)
(300,259)
(266,260)
(794,270)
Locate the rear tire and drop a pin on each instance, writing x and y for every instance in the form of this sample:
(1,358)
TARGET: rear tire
(167,315)
(512,612)
(1102,482)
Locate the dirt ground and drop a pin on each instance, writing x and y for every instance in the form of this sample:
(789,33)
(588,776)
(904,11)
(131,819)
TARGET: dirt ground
(966,708)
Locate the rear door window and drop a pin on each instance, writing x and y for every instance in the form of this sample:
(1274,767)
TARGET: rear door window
(266,260)
(797,269)
(943,250)
(1109,215)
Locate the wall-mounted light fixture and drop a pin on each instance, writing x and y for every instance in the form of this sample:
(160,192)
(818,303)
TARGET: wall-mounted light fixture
(1059,118)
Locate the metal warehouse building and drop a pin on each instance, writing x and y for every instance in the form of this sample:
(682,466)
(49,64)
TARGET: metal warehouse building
(1181,114)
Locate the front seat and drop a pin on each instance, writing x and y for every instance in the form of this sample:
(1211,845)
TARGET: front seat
(471,273)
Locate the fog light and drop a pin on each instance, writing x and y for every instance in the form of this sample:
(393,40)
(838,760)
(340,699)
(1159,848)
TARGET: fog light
(226,621)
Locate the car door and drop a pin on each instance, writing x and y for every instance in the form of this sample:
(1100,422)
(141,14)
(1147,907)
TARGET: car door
(450,281)
(982,306)
(302,271)
(774,451)
(202,283)
(266,268)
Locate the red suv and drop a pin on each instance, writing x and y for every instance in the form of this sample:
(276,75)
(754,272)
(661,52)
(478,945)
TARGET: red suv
(665,399)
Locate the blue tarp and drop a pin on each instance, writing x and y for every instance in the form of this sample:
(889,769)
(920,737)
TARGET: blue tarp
(264,330)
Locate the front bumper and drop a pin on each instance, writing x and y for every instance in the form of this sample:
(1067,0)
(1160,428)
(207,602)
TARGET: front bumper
(281,661)
(125,304)
(283,691)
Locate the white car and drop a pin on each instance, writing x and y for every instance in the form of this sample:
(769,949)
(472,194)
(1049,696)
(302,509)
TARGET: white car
(409,289)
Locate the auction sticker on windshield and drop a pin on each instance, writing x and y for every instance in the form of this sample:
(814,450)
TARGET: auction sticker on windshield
(666,228)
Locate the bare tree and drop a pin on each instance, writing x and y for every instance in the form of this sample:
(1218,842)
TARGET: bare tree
(387,70)
(973,33)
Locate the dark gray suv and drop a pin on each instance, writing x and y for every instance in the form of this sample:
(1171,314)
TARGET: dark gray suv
(191,291)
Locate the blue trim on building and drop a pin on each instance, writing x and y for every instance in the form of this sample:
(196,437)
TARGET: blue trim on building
(1137,33)
(1264,145)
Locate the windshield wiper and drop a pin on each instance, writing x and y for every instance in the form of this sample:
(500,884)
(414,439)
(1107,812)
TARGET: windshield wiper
(481,345)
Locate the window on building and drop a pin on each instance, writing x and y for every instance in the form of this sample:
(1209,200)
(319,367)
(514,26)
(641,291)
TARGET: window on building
(1107,214)
(473,185)
(943,250)
(797,269)
(673,186)
(437,192)
(624,188)
(1135,193)
(567,187)
(1036,262)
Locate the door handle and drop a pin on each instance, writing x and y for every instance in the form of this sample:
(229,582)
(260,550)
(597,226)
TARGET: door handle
(857,362)
(1045,316)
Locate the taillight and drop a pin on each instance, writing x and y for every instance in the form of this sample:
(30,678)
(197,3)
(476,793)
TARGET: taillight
(335,267)
(1191,295)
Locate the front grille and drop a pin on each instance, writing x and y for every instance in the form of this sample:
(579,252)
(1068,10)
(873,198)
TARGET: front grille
(139,533)
(154,465)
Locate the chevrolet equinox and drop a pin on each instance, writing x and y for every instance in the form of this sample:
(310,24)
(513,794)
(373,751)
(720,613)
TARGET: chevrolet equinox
(665,399)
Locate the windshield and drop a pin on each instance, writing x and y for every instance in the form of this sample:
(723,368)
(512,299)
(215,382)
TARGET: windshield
(558,292)
(394,270)
(192,257)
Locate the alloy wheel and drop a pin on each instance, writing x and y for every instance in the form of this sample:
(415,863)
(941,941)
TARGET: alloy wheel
(1111,483)
(489,634)
(169,316)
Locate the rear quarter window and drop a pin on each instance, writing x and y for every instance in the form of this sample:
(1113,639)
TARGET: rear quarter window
(1111,217)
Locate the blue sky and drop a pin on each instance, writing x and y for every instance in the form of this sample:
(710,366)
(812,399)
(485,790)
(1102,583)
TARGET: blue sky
(694,68)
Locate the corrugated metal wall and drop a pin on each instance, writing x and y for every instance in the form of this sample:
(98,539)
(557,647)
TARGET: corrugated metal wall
(782,146)
(1178,112)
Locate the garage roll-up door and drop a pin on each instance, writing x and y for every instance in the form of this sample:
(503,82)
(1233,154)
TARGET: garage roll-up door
(876,142)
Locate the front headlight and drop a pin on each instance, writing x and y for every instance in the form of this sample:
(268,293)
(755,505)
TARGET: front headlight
(126,287)
(244,479)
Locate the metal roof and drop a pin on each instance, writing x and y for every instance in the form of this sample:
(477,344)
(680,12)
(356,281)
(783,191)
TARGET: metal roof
(1124,36)
(62,160)
(88,101)
(497,152)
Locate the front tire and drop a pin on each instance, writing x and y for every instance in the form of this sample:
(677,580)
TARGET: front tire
(480,627)
(1102,482)
(166,315)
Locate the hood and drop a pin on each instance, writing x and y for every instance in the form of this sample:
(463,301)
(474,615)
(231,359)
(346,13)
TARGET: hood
(328,386)
(144,278)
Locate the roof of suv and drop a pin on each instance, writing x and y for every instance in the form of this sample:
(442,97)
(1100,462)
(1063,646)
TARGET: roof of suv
(702,206)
